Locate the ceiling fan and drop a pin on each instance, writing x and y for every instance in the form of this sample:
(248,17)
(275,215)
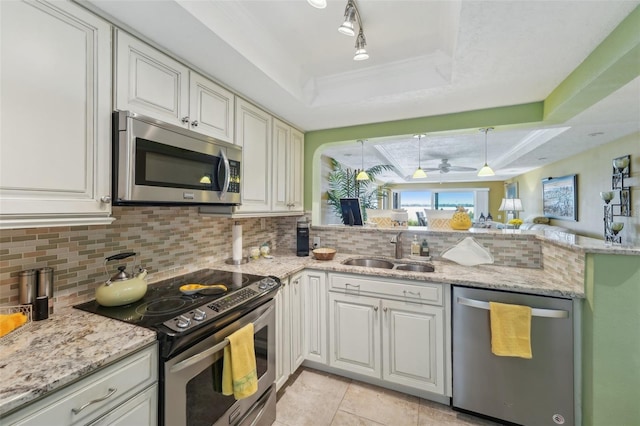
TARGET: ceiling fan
(446,167)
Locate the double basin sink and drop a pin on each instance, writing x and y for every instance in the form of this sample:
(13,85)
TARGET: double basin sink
(386,264)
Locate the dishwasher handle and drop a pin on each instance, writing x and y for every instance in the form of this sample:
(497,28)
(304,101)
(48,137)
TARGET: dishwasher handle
(535,312)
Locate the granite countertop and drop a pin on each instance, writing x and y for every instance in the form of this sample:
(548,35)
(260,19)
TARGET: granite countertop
(523,280)
(55,352)
(74,343)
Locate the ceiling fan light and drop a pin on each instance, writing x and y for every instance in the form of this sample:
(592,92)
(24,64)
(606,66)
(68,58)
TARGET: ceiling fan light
(318,4)
(363,176)
(419,173)
(486,171)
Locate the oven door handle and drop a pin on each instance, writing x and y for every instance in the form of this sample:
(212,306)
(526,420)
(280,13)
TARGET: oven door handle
(204,354)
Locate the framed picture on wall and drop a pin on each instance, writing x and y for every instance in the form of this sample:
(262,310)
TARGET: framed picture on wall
(511,190)
(559,197)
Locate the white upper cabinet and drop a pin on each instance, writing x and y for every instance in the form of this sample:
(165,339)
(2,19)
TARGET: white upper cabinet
(55,111)
(253,133)
(211,108)
(288,149)
(151,83)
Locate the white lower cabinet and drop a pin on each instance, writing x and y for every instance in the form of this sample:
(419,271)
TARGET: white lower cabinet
(289,328)
(142,409)
(354,330)
(412,341)
(296,303)
(283,335)
(124,393)
(315,316)
(391,330)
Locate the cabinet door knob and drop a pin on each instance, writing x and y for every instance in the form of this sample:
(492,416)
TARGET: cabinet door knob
(194,123)
(185,120)
(106,199)
(384,309)
(375,308)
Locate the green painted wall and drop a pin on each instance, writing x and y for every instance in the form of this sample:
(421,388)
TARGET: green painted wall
(611,341)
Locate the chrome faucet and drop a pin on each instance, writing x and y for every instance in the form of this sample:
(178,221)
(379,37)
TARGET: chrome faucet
(397,240)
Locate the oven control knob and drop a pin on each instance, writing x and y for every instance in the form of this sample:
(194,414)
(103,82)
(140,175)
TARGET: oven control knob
(263,285)
(199,315)
(183,322)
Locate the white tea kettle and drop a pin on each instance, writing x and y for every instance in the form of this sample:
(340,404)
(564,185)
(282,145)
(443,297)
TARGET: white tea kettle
(122,288)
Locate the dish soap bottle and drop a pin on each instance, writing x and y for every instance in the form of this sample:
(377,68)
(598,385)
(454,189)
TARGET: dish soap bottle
(415,246)
(424,249)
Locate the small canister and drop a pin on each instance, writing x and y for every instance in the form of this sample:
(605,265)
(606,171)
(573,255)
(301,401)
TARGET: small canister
(45,285)
(41,308)
(28,286)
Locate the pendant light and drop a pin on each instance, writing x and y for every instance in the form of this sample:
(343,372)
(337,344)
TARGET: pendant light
(419,173)
(486,170)
(363,174)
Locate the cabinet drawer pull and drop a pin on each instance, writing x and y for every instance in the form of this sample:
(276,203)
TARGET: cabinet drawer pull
(346,285)
(109,394)
(411,293)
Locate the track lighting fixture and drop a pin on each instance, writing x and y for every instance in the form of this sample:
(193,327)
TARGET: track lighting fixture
(351,16)
(486,170)
(363,174)
(318,4)
(419,173)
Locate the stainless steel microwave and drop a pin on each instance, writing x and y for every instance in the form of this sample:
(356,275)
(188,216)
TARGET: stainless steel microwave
(156,163)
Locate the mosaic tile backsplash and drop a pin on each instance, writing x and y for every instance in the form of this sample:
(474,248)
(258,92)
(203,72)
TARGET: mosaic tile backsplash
(176,240)
(515,250)
(169,240)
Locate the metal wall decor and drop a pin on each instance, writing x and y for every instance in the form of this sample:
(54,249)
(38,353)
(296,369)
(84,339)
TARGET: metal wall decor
(617,203)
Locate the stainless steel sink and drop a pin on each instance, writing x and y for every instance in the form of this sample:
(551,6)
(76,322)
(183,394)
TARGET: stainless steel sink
(414,268)
(370,263)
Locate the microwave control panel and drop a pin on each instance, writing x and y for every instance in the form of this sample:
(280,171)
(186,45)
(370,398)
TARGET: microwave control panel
(234,179)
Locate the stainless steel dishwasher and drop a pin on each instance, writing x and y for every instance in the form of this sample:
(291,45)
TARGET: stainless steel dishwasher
(536,391)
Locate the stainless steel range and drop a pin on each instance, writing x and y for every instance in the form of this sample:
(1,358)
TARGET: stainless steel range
(192,331)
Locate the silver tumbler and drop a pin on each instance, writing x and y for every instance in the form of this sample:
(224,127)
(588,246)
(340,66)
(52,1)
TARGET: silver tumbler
(28,286)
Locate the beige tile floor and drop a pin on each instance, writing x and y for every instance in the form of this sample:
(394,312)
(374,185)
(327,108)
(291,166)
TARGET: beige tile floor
(315,398)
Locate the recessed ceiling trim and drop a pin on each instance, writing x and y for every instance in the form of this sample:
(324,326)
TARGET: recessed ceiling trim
(530,142)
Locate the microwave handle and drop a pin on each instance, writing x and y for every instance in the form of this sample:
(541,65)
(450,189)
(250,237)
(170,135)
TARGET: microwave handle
(227,174)
(202,355)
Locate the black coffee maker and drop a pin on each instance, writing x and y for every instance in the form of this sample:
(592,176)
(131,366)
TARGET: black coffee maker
(302,237)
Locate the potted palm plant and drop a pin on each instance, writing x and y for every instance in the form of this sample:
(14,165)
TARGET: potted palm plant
(343,184)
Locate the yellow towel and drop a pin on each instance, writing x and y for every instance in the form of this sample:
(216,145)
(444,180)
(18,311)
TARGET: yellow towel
(510,330)
(10,322)
(239,375)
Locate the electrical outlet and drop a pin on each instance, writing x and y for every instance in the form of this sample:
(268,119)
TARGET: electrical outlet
(499,217)
(316,242)
(263,224)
